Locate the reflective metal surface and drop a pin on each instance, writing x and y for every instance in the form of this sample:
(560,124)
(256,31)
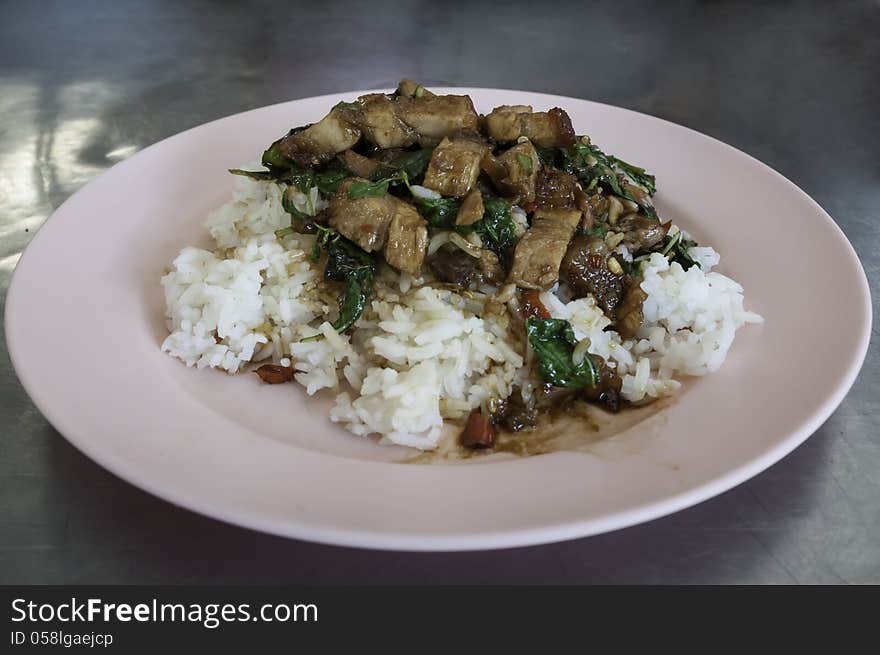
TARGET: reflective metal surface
(86,84)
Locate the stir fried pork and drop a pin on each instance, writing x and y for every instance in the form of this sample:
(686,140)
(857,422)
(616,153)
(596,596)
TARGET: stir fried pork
(555,188)
(548,129)
(319,143)
(377,222)
(514,172)
(541,249)
(410,89)
(407,238)
(630,313)
(585,271)
(607,392)
(453,266)
(455,165)
(376,116)
(360,165)
(490,267)
(435,117)
(480,166)
(640,232)
(363,220)
(471,209)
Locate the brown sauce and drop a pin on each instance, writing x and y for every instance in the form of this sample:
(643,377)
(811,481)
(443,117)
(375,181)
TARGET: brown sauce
(577,428)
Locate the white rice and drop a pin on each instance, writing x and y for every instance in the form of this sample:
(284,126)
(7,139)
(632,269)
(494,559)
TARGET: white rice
(419,354)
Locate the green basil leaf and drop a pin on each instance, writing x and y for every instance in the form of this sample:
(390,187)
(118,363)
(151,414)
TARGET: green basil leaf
(553,341)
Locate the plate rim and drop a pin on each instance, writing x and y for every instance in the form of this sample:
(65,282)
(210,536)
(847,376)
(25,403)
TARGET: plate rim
(518,537)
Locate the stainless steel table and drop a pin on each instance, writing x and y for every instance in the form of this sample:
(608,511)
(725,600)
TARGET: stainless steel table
(85,84)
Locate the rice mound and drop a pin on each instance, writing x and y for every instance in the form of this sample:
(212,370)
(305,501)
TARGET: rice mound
(419,354)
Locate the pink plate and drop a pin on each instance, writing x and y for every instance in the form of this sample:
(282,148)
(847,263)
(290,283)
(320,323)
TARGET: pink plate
(84,321)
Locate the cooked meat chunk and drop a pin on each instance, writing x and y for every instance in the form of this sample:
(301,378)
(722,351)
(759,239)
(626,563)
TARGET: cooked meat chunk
(453,266)
(549,398)
(582,202)
(407,238)
(629,312)
(455,166)
(410,88)
(503,124)
(360,165)
(478,432)
(377,222)
(319,143)
(607,392)
(435,117)
(585,271)
(515,414)
(471,209)
(514,172)
(547,129)
(541,249)
(375,115)
(555,188)
(363,220)
(640,232)
(490,267)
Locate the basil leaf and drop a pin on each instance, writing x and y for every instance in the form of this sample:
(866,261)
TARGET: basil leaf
(553,341)
(331,176)
(351,306)
(302,179)
(599,230)
(496,228)
(254,175)
(675,248)
(291,209)
(439,212)
(346,261)
(593,167)
(414,164)
(364,189)
(636,174)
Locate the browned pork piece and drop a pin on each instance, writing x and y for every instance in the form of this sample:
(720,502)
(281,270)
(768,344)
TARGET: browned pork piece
(471,209)
(555,188)
(377,222)
(630,313)
(455,165)
(514,172)
(363,220)
(607,392)
(434,117)
(360,165)
(547,129)
(585,271)
(641,233)
(407,238)
(375,115)
(453,266)
(319,143)
(541,249)
(410,88)
(490,267)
